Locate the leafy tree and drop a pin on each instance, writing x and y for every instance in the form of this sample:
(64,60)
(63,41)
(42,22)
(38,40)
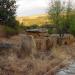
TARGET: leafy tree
(7,12)
(61,15)
(55,13)
(72,23)
(68,16)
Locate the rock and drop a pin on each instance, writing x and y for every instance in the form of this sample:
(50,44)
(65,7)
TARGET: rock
(21,45)
(5,45)
(28,45)
(5,48)
(44,44)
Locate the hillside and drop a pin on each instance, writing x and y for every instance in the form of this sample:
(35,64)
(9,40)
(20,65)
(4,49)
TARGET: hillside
(37,19)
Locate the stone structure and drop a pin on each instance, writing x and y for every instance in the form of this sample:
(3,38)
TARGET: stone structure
(46,42)
(21,45)
(42,39)
(39,32)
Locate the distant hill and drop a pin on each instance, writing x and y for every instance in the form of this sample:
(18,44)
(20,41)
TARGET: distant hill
(31,20)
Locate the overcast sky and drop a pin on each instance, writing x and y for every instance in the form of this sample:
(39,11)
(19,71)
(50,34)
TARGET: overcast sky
(32,7)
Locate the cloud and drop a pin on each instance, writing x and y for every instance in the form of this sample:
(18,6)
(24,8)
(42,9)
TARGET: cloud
(31,7)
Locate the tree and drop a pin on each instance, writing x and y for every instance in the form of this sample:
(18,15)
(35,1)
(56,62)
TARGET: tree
(55,13)
(68,16)
(7,12)
(72,23)
(61,14)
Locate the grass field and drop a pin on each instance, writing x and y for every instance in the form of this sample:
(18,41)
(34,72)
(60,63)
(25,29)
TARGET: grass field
(31,20)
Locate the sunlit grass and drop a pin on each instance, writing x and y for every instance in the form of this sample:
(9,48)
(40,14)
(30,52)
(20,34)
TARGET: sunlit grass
(37,20)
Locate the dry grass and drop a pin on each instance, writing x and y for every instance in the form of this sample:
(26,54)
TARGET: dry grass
(60,53)
(30,20)
(32,65)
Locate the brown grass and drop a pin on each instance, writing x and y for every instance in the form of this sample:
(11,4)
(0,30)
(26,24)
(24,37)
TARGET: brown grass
(31,65)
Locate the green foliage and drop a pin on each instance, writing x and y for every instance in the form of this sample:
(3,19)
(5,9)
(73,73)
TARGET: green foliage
(7,12)
(11,31)
(7,16)
(55,12)
(50,31)
(68,16)
(61,15)
(72,29)
(34,26)
(72,23)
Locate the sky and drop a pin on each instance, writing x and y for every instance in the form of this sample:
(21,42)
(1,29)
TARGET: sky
(32,7)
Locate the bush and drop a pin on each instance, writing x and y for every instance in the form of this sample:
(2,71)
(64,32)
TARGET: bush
(72,29)
(72,23)
(11,31)
(50,31)
(34,26)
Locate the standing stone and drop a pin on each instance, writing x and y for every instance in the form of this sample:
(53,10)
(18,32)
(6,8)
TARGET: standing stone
(28,46)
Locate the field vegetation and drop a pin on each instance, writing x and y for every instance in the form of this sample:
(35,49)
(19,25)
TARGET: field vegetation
(37,20)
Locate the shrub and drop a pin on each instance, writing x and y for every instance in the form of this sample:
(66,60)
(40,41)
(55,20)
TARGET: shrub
(72,29)
(11,31)
(34,26)
(50,31)
(72,23)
